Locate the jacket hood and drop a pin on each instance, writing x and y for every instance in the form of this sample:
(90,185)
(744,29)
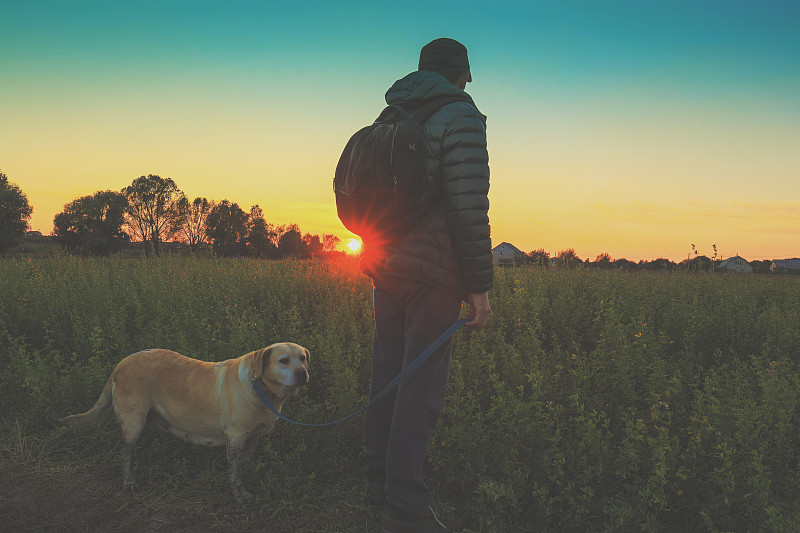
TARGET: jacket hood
(421,86)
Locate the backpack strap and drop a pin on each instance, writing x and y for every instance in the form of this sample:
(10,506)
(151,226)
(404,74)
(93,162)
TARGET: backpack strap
(391,110)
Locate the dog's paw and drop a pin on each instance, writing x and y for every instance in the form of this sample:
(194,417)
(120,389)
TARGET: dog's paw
(242,496)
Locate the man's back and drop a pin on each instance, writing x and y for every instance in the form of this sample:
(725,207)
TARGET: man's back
(451,245)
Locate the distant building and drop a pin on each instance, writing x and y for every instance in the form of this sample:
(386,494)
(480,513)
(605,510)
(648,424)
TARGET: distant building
(506,254)
(785,265)
(736,264)
(33,233)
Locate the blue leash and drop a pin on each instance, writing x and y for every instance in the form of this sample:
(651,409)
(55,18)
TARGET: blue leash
(435,345)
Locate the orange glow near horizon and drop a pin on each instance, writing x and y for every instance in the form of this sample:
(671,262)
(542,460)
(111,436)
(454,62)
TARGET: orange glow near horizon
(597,159)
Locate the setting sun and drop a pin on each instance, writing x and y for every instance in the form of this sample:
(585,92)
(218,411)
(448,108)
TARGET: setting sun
(354,245)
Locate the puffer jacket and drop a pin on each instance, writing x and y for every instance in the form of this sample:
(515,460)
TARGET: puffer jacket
(451,246)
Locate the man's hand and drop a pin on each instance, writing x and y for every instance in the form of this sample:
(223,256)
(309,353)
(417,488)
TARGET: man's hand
(478,310)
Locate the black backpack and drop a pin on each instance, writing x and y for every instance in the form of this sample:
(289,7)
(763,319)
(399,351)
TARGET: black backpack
(379,180)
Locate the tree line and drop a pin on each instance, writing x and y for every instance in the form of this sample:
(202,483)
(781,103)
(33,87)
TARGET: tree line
(694,262)
(153,210)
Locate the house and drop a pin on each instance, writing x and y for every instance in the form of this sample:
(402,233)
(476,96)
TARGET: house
(736,264)
(785,265)
(506,254)
(33,233)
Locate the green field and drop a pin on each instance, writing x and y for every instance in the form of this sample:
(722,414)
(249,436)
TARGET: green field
(594,401)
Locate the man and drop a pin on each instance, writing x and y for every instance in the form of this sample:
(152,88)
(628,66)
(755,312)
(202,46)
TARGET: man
(420,282)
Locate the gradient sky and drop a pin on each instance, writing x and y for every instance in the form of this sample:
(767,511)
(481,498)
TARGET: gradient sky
(635,128)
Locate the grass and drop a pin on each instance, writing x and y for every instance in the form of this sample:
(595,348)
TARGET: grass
(594,401)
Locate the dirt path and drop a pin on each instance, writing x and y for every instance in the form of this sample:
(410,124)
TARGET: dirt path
(74,498)
(42,498)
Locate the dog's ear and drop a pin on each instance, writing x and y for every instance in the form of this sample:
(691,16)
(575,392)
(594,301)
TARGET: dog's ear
(260,358)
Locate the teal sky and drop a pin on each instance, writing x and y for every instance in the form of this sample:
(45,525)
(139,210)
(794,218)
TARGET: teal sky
(629,127)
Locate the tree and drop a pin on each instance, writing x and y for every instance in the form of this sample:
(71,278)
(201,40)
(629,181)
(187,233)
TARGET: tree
(291,243)
(226,227)
(330,242)
(261,237)
(93,224)
(659,264)
(313,245)
(698,263)
(568,259)
(625,264)
(761,267)
(538,257)
(603,261)
(15,212)
(192,220)
(152,209)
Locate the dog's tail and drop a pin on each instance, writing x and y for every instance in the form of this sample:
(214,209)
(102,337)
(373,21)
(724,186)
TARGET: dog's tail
(98,413)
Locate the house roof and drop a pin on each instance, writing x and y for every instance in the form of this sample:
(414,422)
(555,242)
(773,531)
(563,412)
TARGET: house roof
(730,260)
(790,264)
(508,244)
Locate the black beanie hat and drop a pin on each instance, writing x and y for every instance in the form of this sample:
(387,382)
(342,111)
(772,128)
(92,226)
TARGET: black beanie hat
(443,53)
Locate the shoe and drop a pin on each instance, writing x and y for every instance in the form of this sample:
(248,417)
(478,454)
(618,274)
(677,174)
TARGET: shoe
(376,493)
(396,521)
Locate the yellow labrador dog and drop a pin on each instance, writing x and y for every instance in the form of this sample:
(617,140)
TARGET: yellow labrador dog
(211,404)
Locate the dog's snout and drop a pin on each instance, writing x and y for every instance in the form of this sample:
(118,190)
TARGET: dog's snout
(300,376)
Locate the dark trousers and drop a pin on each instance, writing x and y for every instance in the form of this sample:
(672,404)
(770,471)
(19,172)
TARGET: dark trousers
(409,316)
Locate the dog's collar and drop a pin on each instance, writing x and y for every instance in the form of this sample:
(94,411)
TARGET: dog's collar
(262,394)
(261,390)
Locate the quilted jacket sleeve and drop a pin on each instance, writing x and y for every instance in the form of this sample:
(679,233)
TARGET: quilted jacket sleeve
(465,186)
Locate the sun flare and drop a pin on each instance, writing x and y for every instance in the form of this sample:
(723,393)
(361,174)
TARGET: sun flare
(354,246)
